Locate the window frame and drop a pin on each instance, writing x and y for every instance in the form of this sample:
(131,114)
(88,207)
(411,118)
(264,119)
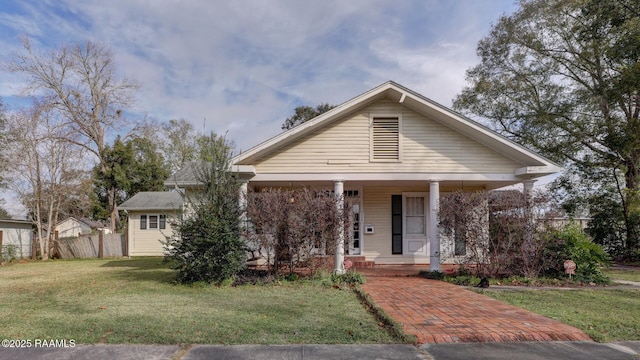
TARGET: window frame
(425,215)
(160,222)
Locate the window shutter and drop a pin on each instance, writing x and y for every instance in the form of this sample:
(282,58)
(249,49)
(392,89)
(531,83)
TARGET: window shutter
(396,224)
(143,222)
(386,138)
(163,221)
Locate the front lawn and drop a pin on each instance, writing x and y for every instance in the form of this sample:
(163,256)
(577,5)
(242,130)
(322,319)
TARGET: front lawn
(135,301)
(604,315)
(619,274)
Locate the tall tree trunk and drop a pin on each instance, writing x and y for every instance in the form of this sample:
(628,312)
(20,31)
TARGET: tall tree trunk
(113,210)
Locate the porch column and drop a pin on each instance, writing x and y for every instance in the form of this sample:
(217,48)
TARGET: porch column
(531,223)
(338,192)
(434,235)
(528,186)
(242,200)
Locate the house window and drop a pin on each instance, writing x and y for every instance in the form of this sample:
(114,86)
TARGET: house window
(459,238)
(153,222)
(385,138)
(415,217)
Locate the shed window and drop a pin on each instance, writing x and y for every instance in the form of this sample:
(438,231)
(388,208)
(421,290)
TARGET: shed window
(385,138)
(153,222)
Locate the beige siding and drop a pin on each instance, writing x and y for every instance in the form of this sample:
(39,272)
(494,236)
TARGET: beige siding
(377,211)
(426,146)
(147,242)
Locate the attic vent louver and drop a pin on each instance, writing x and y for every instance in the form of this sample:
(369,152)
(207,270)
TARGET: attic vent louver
(385,138)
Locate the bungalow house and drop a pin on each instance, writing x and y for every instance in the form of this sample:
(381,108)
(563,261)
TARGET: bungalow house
(150,215)
(74,227)
(392,153)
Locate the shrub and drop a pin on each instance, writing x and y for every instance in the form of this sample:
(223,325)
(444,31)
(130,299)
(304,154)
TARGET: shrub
(207,245)
(8,253)
(350,278)
(571,243)
(464,280)
(495,232)
(433,275)
(293,227)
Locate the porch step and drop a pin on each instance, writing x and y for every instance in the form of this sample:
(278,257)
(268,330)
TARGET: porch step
(355,258)
(360,262)
(364,264)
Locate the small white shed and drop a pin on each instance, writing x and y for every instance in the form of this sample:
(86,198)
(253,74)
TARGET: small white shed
(18,233)
(74,227)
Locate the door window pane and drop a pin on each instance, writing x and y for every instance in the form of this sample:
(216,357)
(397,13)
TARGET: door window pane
(415,216)
(415,225)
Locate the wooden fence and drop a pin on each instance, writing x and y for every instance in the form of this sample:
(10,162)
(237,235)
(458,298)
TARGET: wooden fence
(92,246)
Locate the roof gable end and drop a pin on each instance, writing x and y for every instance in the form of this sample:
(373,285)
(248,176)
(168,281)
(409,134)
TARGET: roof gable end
(534,164)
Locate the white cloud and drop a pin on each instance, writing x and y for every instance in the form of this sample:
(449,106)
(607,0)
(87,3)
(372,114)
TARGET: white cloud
(244,66)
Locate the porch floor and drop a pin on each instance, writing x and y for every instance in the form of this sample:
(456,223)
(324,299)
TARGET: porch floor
(437,312)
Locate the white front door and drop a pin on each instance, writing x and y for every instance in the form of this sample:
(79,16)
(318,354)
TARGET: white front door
(415,210)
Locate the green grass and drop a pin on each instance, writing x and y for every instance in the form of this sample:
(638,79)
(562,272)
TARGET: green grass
(616,274)
(135,301)
(604,315)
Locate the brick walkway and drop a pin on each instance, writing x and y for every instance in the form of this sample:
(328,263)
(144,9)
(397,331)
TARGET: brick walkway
(437,312)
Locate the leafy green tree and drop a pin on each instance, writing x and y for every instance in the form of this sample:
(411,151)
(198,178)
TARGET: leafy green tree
(111,179)
(207,246)
(563,76)
(129,167)
(305,113)
(149,170)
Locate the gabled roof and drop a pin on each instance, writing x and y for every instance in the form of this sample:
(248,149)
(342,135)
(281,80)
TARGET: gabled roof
(153,200)
(534,165)
(15,222)
(182,177)
(90,223)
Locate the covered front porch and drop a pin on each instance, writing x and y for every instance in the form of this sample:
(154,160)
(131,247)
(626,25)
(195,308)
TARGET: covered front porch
(394,222)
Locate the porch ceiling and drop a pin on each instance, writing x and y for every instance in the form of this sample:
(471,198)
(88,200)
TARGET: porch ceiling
(445,186)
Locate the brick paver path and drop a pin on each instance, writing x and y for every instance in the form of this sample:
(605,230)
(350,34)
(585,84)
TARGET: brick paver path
(437,312)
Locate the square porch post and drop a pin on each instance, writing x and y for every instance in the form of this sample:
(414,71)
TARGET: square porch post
(434,234)
(338,192)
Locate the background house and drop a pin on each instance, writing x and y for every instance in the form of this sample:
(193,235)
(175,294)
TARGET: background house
(149,219)
(18,233)
(74,227)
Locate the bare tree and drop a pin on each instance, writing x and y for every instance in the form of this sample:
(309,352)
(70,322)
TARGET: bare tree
(44,168)
(78,84)
(179,144)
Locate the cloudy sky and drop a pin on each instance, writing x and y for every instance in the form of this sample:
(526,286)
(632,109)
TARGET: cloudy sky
(242,66)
